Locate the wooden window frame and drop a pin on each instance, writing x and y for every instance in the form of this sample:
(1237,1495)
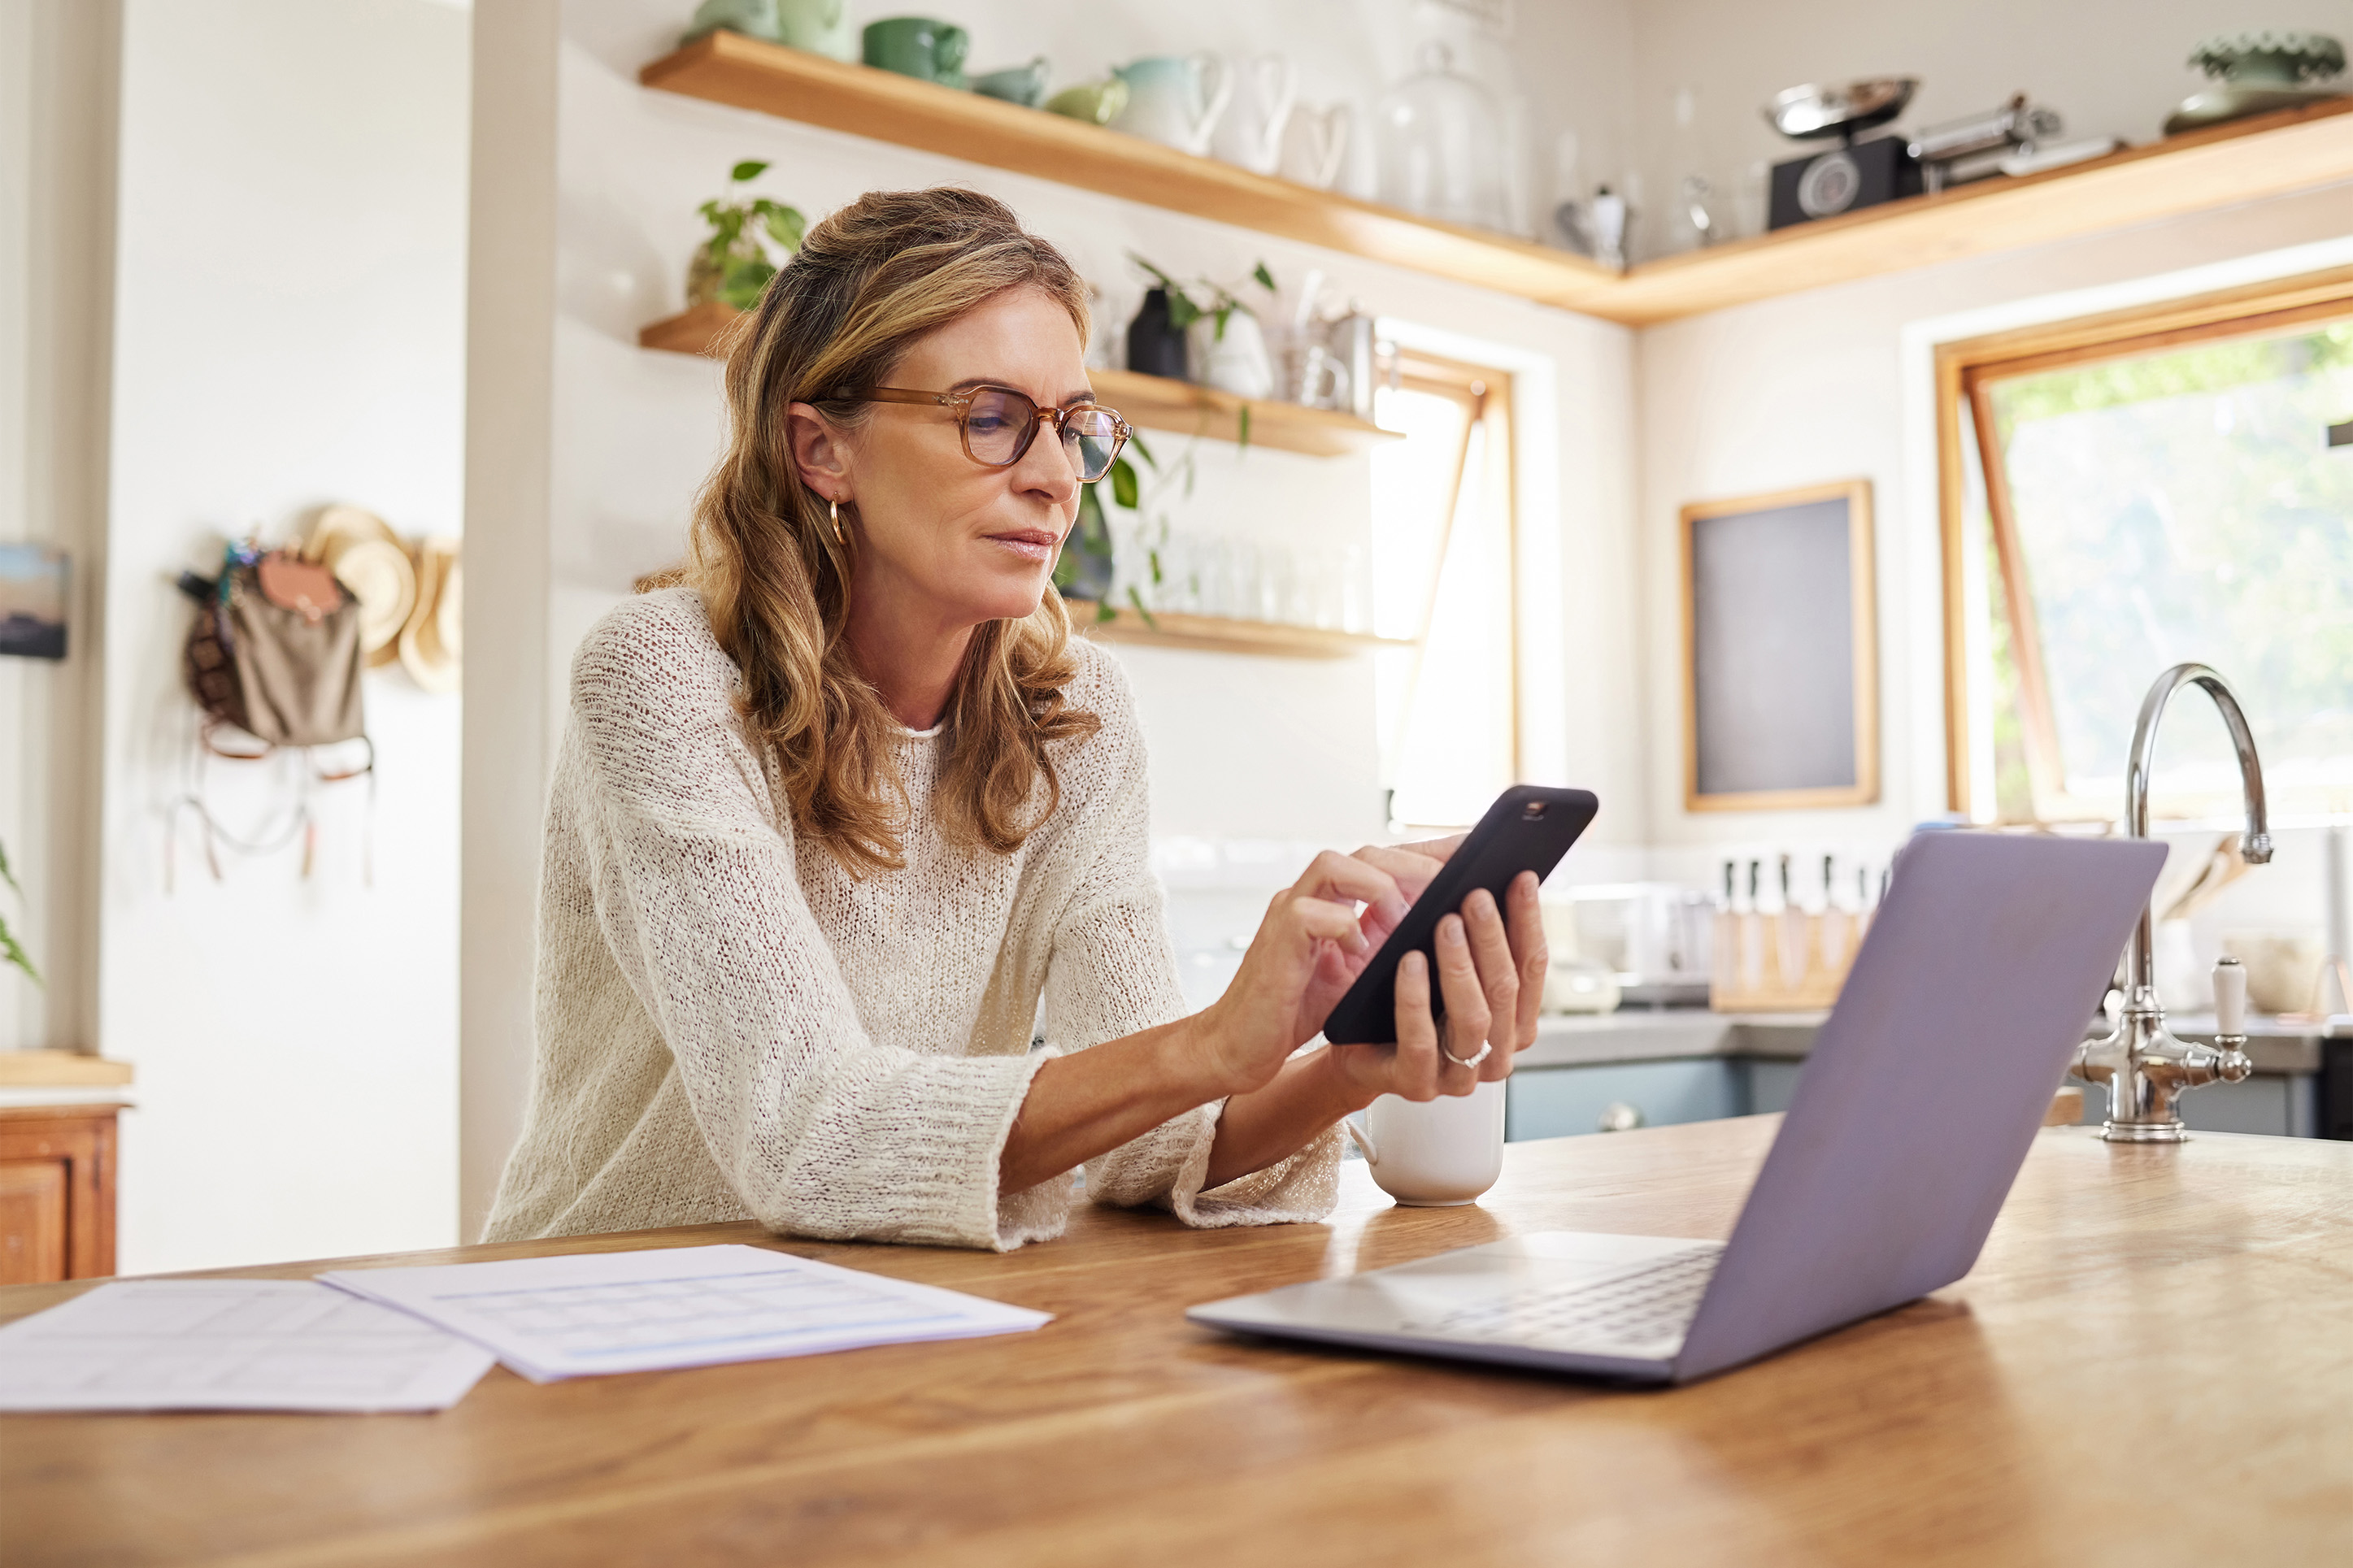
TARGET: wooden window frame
(1484,394)
(1965,371)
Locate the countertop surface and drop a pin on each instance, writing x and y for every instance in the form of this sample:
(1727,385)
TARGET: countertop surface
(2187,1304)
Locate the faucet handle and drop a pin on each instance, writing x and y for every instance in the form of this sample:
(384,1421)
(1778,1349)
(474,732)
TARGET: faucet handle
(2231,998)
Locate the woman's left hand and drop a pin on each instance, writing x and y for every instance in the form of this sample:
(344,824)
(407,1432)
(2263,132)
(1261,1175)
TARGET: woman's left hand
(1490,972)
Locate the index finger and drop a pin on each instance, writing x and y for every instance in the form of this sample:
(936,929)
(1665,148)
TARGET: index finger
(1331,875)
(1440,850)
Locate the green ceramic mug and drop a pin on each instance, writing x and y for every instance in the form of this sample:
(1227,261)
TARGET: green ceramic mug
(918,47)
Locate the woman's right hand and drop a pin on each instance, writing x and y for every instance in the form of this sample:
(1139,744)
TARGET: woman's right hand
(1307,949)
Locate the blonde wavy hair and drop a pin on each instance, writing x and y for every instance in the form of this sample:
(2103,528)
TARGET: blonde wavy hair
(867,282)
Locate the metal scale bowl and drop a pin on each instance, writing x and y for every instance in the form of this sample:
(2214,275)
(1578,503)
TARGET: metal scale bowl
(1823,184)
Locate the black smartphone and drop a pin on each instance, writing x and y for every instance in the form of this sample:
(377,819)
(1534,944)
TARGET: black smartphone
(1528,828)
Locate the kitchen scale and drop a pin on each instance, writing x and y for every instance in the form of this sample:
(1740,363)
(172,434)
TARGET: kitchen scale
(1855,173)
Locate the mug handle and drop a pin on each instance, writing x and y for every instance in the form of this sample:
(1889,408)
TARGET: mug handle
(1334,140)
(1277,86)
(1364,1142)
(1217,84)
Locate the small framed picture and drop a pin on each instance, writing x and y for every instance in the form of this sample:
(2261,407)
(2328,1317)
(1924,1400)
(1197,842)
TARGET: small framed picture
(1780,643)
(32,599)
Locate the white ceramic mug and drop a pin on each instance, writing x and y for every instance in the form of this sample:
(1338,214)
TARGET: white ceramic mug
(1434,1153)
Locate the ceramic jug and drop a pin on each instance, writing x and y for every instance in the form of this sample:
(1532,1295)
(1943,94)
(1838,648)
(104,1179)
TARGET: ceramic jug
(1250,132)
(1313,142)
(752,18)
(1175,100)
(1096,102)
(1024,85)
(820,27)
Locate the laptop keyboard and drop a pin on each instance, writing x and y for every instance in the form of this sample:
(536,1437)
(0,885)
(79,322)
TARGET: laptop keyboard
(1646,1305)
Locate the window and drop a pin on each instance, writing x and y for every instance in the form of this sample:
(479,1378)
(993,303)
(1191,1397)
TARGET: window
(1442,548)
(2136,492)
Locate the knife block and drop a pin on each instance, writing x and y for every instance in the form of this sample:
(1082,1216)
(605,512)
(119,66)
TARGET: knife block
(1790,962)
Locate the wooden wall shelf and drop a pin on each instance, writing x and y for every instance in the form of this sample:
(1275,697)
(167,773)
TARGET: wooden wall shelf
(2269,155)
(1156,403)
(792,84)
(1216,634)
(1153,402)
(60,1069)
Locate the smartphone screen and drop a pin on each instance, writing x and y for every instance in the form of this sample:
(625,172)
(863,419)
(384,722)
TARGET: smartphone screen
(1528,828)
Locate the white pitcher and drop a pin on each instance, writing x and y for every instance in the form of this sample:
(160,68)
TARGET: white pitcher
(1175,100)
(1235,362)
(1250,131)
(1313,144)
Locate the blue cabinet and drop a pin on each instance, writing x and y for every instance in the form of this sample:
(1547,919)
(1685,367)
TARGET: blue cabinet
(1555,1102)
(1562,1101)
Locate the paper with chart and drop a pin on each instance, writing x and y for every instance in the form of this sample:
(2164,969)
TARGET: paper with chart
(230,1345)
(590,1313)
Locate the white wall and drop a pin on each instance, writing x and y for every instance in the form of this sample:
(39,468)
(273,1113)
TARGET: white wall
(57,64)
(290,330)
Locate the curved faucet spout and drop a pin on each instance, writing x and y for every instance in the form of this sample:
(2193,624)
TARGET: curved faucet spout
(2144,1067)
(2256,847)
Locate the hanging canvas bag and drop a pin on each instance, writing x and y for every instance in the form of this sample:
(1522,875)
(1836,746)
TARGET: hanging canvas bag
(275,650)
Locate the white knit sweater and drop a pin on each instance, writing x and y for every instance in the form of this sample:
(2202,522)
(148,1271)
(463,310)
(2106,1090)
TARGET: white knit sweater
(731,1027)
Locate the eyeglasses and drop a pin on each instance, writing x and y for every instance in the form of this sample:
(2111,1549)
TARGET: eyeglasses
(999,424)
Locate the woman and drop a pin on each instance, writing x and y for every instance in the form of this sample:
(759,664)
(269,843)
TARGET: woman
(835,813)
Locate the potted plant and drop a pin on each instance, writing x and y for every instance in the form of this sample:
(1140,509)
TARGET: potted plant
(1083,572)
(1227,349)
(10,951)
(749,235)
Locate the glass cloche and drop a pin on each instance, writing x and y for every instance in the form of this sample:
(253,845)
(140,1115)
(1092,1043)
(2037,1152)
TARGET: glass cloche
(1440,145)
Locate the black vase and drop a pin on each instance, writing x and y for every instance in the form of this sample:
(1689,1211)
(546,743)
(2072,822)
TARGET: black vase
(1154,346)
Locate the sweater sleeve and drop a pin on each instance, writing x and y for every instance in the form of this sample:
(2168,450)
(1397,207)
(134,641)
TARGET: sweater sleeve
(1113,973)
(820,1130)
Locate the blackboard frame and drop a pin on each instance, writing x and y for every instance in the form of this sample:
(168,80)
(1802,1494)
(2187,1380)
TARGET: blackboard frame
(1861,614)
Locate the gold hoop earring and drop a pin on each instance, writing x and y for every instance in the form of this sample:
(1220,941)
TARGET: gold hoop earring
(833,510)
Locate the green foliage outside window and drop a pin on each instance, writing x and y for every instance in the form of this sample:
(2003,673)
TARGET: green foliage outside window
(2184,505)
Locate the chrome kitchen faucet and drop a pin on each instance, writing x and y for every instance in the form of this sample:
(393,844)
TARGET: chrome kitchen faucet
(2144,1066)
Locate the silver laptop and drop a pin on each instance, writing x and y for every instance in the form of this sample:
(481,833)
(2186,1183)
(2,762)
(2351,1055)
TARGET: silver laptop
(1915,1109)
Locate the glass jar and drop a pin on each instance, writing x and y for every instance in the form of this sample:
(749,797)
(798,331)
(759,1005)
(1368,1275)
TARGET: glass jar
(1440,145)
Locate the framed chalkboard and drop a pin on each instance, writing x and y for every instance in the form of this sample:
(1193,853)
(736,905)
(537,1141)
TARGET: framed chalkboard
(1780,645)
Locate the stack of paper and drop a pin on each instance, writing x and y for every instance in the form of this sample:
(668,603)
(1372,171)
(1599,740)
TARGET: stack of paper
(230,1345)
(550,1318)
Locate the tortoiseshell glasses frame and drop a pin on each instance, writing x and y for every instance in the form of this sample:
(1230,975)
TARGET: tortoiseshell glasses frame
(999,424)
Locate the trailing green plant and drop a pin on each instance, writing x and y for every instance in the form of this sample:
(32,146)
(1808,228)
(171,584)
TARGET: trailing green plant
(1221,302)
(1084,570)
(736,263)
(10,951)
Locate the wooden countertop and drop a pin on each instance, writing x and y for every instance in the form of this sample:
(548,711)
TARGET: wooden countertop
(2153,1362)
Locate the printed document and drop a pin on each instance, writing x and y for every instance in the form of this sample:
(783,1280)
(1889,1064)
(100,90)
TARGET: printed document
(589,1313)
(230,1345)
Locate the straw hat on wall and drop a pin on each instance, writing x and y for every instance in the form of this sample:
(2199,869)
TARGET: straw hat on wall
(429,644)
(366,557)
